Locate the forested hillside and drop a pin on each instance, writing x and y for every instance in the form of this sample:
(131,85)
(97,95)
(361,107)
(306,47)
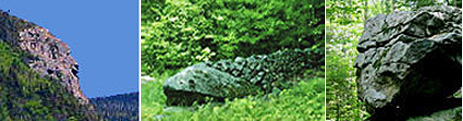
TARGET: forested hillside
(117,107)
(176,34)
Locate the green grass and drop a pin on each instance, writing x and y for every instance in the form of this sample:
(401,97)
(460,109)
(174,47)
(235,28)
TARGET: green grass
(305,101)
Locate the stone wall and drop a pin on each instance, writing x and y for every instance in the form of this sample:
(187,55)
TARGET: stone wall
(238,77)
(409,63)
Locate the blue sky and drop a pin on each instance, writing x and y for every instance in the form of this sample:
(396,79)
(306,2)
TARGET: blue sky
(102,35)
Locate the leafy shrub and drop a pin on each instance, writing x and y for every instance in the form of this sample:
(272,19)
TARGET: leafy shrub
(303,101)
(178,33)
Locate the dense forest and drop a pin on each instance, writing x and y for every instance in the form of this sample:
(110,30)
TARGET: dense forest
(178,34)
(344,27)
(118,107)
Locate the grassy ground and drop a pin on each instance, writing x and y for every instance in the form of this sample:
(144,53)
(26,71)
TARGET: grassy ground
(305,101)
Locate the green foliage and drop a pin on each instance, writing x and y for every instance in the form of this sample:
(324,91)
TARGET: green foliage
(179,33)
(356,11)
(152,95)
(341,96)
(301,102)
(416,4)
(24,95)
(344,28)
(344,12)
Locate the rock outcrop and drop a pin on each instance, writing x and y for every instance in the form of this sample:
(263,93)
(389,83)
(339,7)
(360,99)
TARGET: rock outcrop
(409,63)
(51,57)
(236,78)
(49,74)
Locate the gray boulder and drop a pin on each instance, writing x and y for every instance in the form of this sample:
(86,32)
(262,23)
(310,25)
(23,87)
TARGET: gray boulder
(410,62)
(236,78)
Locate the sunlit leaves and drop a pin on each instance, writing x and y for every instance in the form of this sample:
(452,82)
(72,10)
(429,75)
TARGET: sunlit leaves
(228,28)
(344,29)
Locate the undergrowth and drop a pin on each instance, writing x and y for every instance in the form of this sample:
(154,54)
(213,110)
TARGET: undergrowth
(304,101)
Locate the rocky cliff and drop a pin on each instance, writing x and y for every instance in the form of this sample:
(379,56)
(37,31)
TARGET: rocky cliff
(409,63)
(39,76)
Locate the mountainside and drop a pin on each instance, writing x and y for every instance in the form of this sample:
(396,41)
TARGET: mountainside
(118,107)
(38,77)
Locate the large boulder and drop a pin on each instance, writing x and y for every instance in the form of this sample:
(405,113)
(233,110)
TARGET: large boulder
(236,78)
(409,63)
(39,79)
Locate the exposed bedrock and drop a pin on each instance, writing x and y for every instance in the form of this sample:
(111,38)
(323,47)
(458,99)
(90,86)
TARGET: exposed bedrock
(237,78)
(48,55)
(50,59)
(409,63)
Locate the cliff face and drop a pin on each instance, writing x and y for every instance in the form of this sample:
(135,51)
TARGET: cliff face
(51,57)
(37,69)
